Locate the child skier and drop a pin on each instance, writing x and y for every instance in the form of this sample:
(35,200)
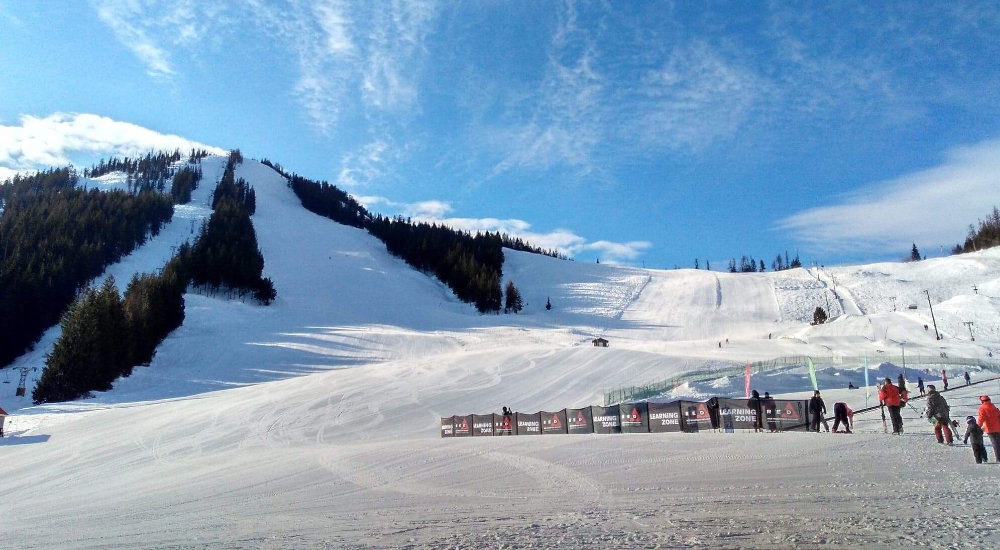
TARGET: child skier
(975,433)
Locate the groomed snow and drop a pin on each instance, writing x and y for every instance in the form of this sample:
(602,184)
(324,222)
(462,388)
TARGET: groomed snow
(313,423)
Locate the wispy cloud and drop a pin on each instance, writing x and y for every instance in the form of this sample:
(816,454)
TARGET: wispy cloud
(57,139)
(358,169)
(563,240)
(694,98)
(346,53)
(151,29)
(599,105)
(932,207)
(567,118)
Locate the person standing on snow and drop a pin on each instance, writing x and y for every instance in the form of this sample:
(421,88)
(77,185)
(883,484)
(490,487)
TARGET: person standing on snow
(989,421)
(920,386)
(944,379)
(976,433)
(968,379)
(889,396)
(937,410)
(818,410)
(771,411)
(754,404)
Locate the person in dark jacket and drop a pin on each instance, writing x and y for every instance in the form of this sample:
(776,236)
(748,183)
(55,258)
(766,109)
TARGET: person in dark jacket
(771,412)
(920,386)
(937,410)
(974,432)
(968,379)
(713,407)
(755,405)
(817,409)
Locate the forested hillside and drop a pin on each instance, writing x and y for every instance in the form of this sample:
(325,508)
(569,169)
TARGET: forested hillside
(104,335)
(471,265)
(54,238)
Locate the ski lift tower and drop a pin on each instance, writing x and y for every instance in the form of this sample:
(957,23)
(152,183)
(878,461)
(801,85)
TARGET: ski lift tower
(24,377)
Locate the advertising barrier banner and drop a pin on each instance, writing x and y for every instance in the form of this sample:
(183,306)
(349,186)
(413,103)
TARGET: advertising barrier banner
(483,424)
(553,422)
(665,417)
(634,417)
(606,419)
(580,421)
(505,425)
(736,414)
(447,426)
(463,426)
(791,414)
(696,417)
(529,424)
(676,416)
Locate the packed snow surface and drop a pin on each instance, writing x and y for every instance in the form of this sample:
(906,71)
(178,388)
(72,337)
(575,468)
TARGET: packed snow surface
(314,422)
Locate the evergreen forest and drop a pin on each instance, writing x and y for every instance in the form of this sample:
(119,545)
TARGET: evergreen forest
(54,238)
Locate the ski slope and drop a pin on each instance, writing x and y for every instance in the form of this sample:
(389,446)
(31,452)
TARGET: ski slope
(313,423)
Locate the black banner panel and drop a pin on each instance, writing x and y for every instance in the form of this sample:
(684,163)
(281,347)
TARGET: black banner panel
(665,417)
(505,425)
(695,417)
(463,426)
(580,421)
(529,424)
(606,419)
(736,414)
(447,426)
(483,424)
(553,422)
(634,417)
(790,415)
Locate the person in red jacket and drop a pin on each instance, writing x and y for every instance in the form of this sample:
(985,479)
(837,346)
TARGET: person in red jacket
(989,421)
(889,396)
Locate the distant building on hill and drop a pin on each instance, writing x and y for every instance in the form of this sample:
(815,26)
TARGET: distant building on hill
(600,343)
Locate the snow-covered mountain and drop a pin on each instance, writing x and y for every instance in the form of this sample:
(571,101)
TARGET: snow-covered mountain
(313,422)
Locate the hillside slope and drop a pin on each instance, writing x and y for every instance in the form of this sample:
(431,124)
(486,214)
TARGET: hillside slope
(314,422)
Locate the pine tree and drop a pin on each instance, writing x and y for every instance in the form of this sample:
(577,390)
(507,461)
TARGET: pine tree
(513,302)
(548,304)
(819,316)
(914,253)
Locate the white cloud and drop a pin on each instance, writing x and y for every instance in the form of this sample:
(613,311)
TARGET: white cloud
(56,139)
(693,99)
(933,207)
(124,19)
(363,167)
(617,252)
(562,240)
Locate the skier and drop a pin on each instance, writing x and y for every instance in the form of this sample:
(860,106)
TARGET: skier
(976,433)
(755,405)
(937,410)
(968,379)
(842,413)
(888,395)
(989,421)
(901,382)
(944,379)
(920,386)
(818,409)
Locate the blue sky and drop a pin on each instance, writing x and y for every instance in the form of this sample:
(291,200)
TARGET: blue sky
(644,133)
